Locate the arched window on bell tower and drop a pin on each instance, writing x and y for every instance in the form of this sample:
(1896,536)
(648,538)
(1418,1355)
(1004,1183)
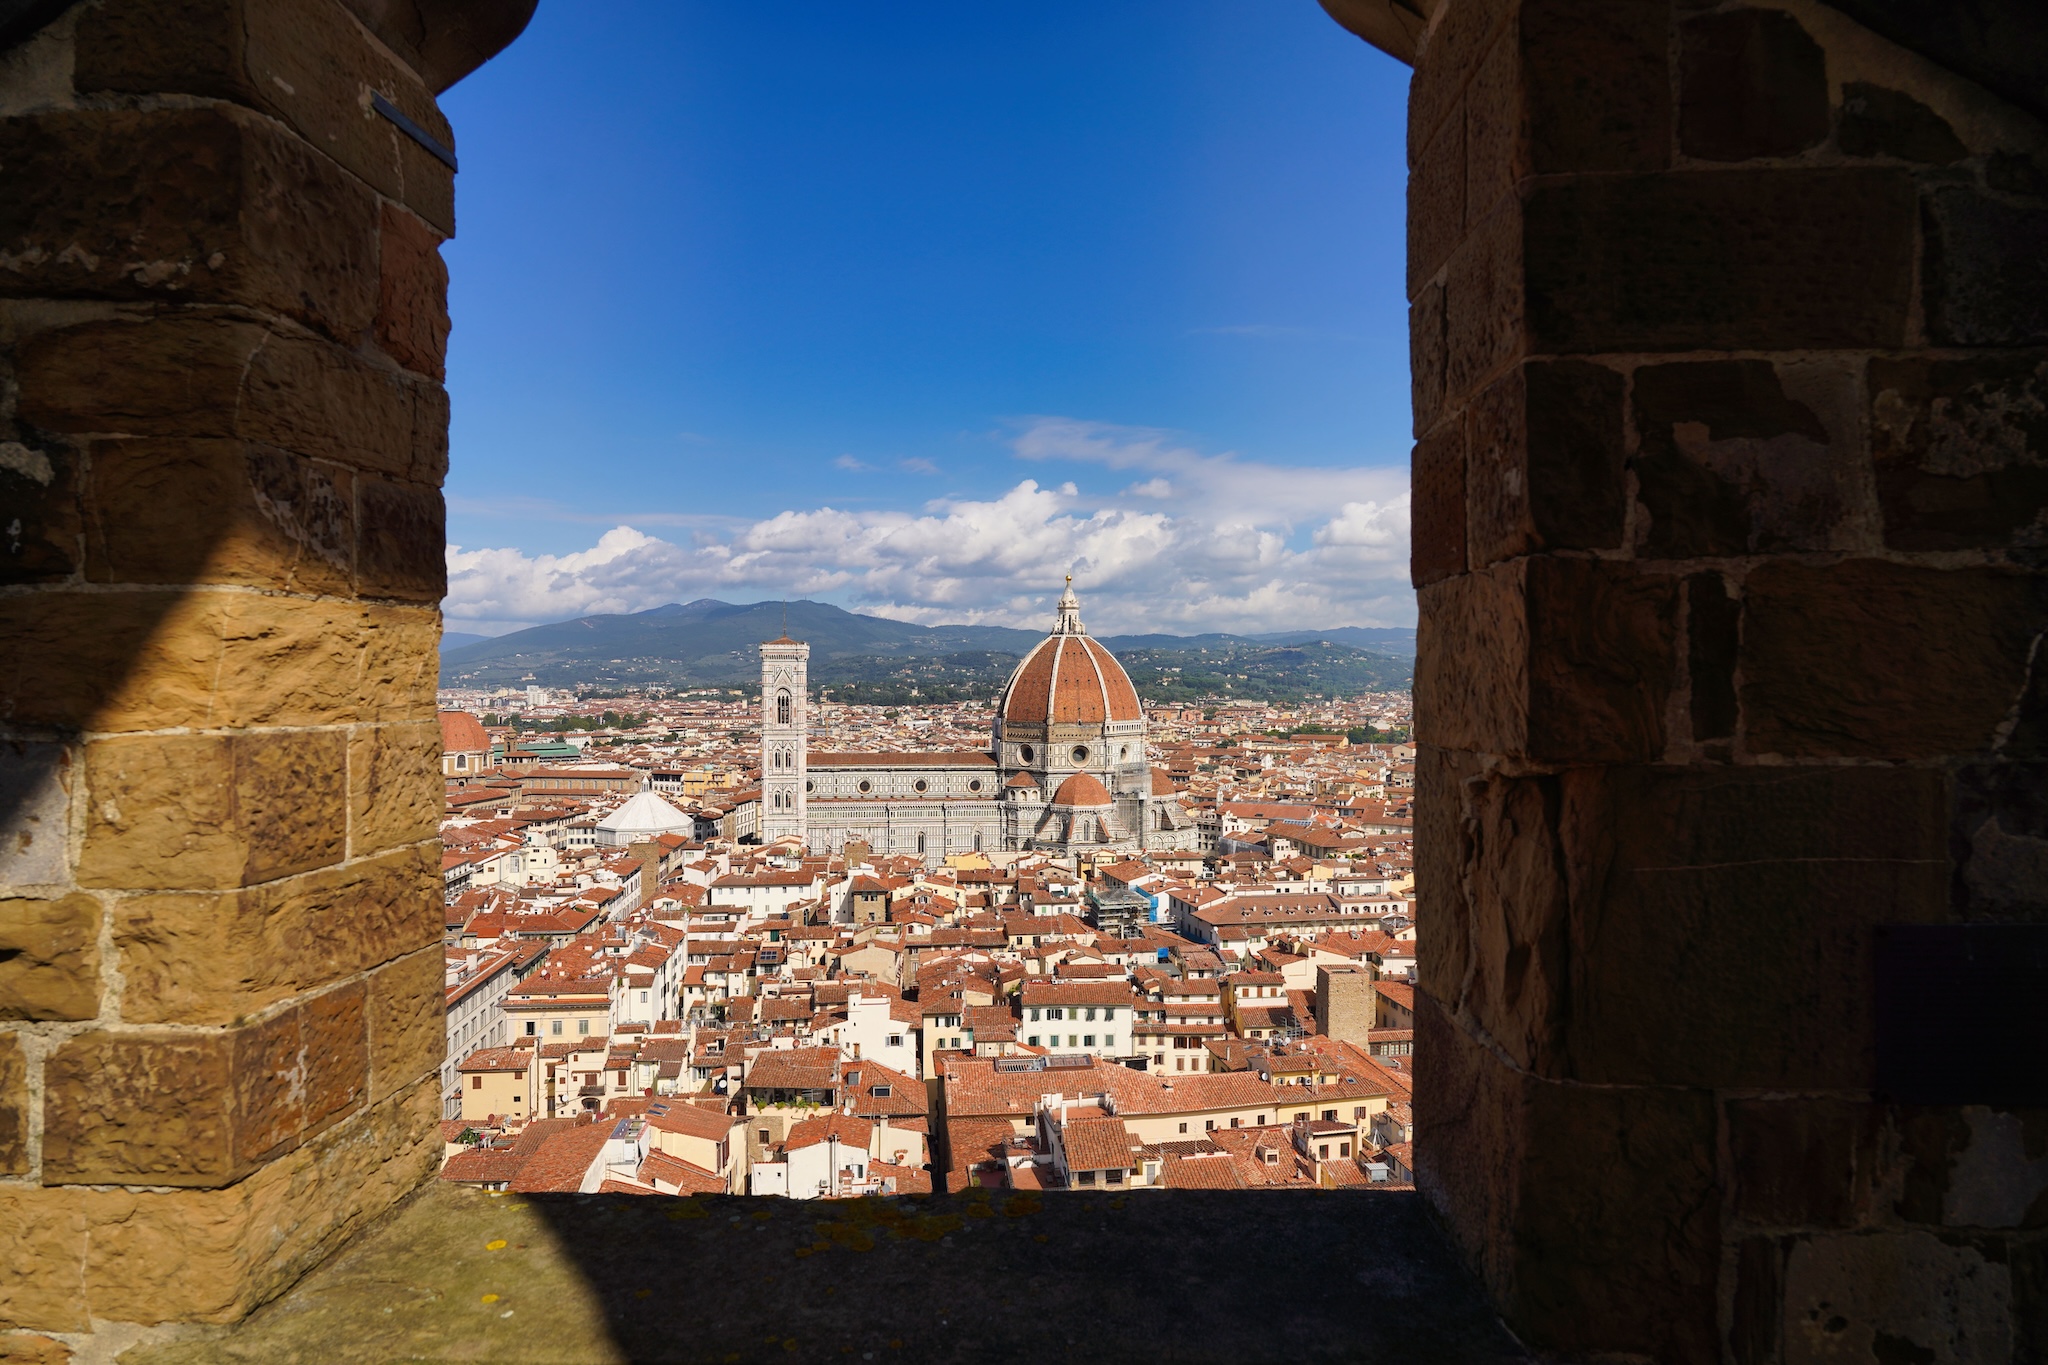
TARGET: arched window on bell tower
(782,708)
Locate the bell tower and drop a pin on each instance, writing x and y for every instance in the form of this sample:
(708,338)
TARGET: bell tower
(785,724)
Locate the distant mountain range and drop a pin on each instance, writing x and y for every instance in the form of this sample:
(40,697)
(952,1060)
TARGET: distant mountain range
(712,643)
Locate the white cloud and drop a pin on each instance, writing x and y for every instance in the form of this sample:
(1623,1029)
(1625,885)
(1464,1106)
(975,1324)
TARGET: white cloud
(1220,543)
(915,465)
(848,462)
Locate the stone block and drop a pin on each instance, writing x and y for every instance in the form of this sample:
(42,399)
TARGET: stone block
(201,1109)
(211,1255)
(1437,503)
(231,659)
(213,810)
(1443,848)
(408,1023)
(201,376)
(209,205)
(1985,269)
(193,958)
(1713,639)
(14,1107)
(1720,260)
(401,539)
(42,1283)
(1752,83)
(1807,1162)
(1513,920)
(1624,1266)
(412,298)
(1821,671)
(1896,1296)
(1598,85)
(395,789)
(1496,129)
(307,63)
(216,511)
(1678,875)
(1961,450)
(1436,205)
(1546,466)
(32,1348)
(1630,1266)
(39,489)
(1426,343)
(1483,302)
(1729,465)
(35,812)
(1878,122)
(49,958)
(1998,838)
(1451,51)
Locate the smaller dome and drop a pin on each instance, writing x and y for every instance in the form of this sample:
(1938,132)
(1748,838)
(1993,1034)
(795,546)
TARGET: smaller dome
(1081,790)
(1022,780)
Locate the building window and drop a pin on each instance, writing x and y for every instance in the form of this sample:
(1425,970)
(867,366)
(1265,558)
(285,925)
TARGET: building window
(1025,753)
(1323,1150)
(920,786)
(974,785)
(582,1026)
(1088,1040)
(864,786)
(1034,1016)
(1085,1177)
(895,1040)
(763,1135)
(1080,753)
(1208,1125)
(1183,1127)
(920,843)
(476,1082)
(530,1028)
(1343,1149)
(555,1027)
(1091,1014)
(1073,1040)
(1236,1122)
(1032,1040)
(782,708)
(1329,1116)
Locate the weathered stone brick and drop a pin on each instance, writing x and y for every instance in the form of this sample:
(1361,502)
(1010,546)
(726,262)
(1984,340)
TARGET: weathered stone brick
(1677,875)
(1821,669)
(36,782)
(1437,502)
(42,1281)
(199,511)
(395,788)
(49,958)
(1496,129)
(412,306)
(211,205)
(1729,465)
(1565,660)
(33,1348)
(1752,83)
(1846,1293)
(1998,836)
(195,375)
(211,1255)
(1545,471)
(306,62)
(1713,623)
(295,1074)
(194,958)
(39,489)
(1451,50)
(1443,842)
(1436,204)
(1598,85)
(213,811)
(1878,122)
(1483,302)
(1631,1271)
(219,659)
(1985,268)
(1426,343)
(200,1109)
(1720,260)
(1515,926)
(1809,1162)
(14,1107)
(1961,449)
(401,540)
(408,1023)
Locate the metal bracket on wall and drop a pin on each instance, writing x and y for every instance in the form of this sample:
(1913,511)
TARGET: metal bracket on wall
(434,145)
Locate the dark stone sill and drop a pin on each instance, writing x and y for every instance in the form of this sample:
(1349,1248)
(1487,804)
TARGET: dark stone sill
(1236,1277)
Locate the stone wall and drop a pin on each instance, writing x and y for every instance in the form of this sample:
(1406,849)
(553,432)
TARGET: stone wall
(222,438)
(1730,352)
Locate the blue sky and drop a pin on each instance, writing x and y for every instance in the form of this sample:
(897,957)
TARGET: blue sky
(915,307)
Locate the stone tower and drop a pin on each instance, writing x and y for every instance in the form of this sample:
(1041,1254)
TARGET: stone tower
(784,725)
(1345,1006)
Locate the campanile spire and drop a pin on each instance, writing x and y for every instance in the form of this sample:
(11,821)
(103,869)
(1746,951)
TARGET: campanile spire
(1069,622)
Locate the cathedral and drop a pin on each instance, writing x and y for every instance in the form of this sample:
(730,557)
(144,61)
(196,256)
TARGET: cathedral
(1065,770)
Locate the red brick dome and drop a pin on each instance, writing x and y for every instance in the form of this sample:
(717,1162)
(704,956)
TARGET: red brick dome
(1081,790)
(1069,680)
